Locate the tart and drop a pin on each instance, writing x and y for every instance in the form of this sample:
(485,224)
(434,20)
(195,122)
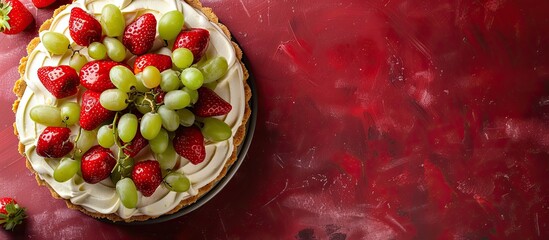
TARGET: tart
(130,166)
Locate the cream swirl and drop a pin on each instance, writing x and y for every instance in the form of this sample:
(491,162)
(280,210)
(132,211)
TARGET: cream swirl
(101,197)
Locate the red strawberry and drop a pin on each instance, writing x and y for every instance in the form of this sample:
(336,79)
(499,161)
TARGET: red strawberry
(139,35)
(194,39)
(14,17)
(95,75)
(136,145)
(147,176)
(61,81)
(210,104)
(83,27)
(189,143)
(54,142)
(92,114)
(160,61)
(97,164)
(11,214)
(42,3)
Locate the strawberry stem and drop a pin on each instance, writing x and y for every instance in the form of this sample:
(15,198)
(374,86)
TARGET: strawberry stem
(5,9)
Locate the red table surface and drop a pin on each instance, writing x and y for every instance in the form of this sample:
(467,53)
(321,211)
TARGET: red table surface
(418,119)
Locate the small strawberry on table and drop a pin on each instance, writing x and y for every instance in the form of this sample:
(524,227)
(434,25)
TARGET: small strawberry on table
(14,17)
(11,214)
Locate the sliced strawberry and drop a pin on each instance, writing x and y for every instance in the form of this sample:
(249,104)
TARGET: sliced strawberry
(92,114)
(194,39)
(147,176)
(54,142)
(97,164)
(61,81)
(83,27)
(11,214)
(160,61)
(139,35)
(14,17)
(189,143)
(210,104)
(136,145)
(95,75)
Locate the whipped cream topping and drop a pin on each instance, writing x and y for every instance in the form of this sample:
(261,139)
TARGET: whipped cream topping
(101,197)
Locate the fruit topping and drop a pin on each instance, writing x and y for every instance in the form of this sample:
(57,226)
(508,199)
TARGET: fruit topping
(194,39)
(97,164)
(139,35)
(147,176)
(54,142)
(61,81)
(83,27)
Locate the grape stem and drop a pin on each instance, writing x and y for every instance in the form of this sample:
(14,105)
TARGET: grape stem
(76,143)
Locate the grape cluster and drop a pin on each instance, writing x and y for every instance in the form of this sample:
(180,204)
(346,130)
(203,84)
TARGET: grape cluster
(150,103)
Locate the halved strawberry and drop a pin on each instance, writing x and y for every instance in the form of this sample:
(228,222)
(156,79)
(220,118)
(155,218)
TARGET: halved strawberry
(136,145)
(210,104)
(97,164)
(95,75)
(11,214)
(189,143)
(61,81)
(147,176)
(14,17)
(160,61)
(83,27)
(139,35)
(92,114)
(194,39)
(54,142)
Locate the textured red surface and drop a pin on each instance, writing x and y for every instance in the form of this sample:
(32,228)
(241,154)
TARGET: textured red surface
(419,119)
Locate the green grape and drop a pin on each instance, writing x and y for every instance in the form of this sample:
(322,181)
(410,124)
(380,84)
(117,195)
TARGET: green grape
(143,103)
(177,99)
(126,190)
(177,182)
(211,85)
(97,50)
(85,141)
(192,78)
(151,77)
(168,158)
(127,127)
(213,69)
(170,80)
(66,169)
(70,112)
(182,58)
(186,117)
(160,142)
(170,24)
(192,93)
(112,21)
(55,43)
(139,85)
(216,130)
(114,99)
(122,78)
(151,123)
(170,119)
(77,61)
(46,115)
(105,136)
(115,49)
(123,170)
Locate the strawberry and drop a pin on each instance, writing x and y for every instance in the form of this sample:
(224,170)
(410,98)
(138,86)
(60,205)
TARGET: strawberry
(83,27)
(97,164)
(11,214)
(61,81)
(54,142)
(147,176)
(194,39)
(136,145)
(94,75)
(160,61)
(139,35)
(189,143)
(14,17)
(210,104)
(92,114)
(42,3)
